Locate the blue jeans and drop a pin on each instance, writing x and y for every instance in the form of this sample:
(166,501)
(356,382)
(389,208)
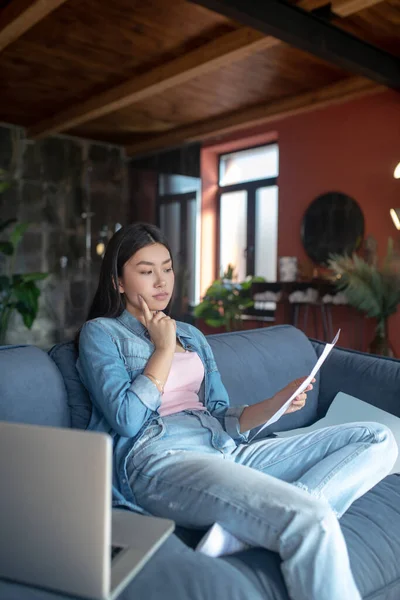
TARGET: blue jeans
(281,494)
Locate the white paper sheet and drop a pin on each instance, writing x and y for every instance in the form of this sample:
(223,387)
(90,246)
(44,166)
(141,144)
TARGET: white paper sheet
(302,387)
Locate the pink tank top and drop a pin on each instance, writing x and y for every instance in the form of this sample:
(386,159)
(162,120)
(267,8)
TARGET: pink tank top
(183,384)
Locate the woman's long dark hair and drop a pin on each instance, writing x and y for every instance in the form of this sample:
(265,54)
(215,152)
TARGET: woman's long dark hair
(108,301)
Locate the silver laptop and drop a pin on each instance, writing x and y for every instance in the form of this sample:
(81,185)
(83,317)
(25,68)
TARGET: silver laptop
(57,528)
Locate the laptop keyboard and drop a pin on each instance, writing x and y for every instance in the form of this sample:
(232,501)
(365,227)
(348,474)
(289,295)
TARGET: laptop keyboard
(115,550)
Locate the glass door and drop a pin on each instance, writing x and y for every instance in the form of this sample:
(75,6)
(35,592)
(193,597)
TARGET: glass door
(179,220)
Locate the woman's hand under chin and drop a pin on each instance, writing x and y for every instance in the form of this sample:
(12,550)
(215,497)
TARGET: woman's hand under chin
(161,327)
(138,308)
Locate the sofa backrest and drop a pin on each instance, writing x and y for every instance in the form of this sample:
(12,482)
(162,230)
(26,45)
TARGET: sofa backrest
(32,389)
(255,364)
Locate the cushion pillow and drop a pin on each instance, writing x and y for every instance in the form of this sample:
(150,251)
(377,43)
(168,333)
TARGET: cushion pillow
(80,406)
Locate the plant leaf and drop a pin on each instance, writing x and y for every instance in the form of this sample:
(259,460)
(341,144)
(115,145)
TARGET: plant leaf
(16,235)
(225,300)
(27,295)
(370,290)
(205,310)
(216,322)
(28,316)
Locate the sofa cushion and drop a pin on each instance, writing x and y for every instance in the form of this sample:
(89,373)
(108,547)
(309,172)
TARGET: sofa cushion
(257,363)
(371,528)
(80,406)
(31,388)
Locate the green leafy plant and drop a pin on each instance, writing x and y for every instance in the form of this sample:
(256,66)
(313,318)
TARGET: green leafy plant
(370,288)
(18,292)
(225,301)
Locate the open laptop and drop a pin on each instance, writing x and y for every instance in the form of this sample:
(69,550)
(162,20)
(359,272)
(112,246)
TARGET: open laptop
(57,528)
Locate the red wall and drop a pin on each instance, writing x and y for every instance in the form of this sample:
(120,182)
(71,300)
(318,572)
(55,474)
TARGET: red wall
(352,148)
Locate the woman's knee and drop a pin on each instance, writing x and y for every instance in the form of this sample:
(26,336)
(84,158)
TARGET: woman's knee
(372,432)
(385,435)
(309,506)
(314,519)
(383,439)
(382,434)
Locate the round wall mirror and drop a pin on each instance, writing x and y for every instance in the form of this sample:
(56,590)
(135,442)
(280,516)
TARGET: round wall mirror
(332,224)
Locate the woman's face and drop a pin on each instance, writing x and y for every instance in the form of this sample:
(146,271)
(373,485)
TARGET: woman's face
(148,273)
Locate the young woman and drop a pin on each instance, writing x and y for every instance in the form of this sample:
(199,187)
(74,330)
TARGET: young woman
(180,451)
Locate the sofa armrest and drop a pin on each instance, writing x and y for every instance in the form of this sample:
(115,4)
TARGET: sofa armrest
(371,378)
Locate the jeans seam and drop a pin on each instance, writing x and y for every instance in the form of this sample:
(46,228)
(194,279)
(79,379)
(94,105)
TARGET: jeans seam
(275,462)
(213,496)
(339,466)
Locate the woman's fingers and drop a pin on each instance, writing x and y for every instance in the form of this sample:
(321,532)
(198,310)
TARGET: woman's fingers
(297,383)
(300,380)
(158,316)
(298,403)
(145,309)
(300,400)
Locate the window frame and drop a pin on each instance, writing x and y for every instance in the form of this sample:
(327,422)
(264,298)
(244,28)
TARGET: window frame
(251,188)
(246,149)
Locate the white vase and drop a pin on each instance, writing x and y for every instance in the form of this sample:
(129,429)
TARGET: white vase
(288,268)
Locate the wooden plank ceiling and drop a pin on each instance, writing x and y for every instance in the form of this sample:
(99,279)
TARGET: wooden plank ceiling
(155,74)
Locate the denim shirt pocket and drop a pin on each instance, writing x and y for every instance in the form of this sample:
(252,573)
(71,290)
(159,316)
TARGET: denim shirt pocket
(136,355)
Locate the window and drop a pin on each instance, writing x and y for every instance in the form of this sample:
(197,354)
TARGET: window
(248,212)
(249,165)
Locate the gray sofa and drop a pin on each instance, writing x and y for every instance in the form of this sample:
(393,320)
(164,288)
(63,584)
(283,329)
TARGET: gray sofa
(41,388)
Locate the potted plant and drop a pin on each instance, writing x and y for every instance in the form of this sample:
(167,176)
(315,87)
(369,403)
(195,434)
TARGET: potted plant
(18,291)
(372,289)
(225,301)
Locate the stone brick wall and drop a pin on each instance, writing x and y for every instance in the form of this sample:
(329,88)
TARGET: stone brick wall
(54,182)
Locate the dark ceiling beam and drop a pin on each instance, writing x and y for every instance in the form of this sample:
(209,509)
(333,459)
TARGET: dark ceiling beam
(211,56)
(341,8)
(21,15)
(260,114)
(345,8)
(307,32)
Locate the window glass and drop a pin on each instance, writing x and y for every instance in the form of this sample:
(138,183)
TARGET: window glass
(249,165)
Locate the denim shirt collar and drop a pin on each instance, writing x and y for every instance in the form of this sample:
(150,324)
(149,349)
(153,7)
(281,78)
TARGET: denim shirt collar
(134,325)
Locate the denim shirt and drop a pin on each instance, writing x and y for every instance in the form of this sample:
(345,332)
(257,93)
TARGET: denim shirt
(113,353)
